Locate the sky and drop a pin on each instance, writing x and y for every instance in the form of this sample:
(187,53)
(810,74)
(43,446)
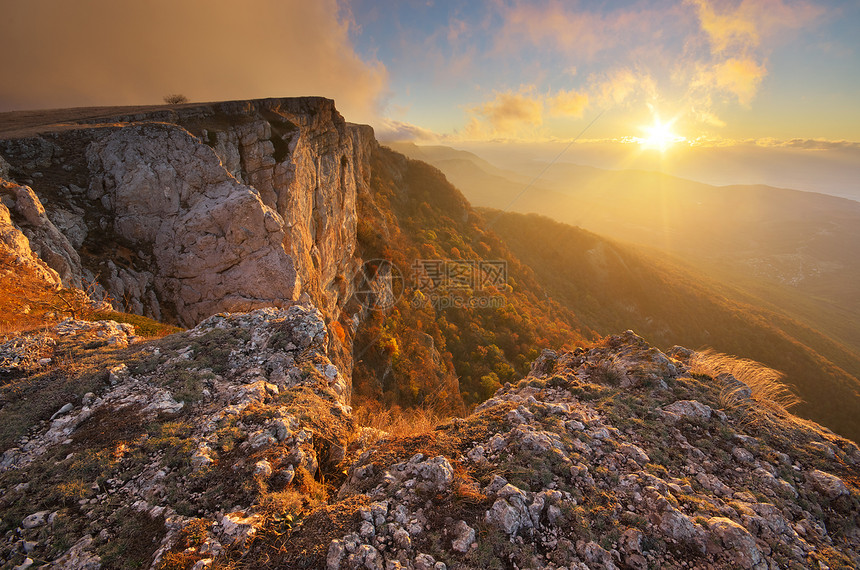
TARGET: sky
(782,74)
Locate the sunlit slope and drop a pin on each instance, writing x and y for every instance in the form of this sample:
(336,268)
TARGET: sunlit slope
(432,348)
(613,286)
(799,250)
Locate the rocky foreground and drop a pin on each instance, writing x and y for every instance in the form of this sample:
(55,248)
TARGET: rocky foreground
(233,445)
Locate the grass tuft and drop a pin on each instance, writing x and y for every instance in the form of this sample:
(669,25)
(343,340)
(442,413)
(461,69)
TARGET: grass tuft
(768,397)
(396,420)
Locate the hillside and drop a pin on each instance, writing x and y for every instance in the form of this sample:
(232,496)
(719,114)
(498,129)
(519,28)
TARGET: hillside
(229,446)
(798,250)
(461,322)
(371,375)
(612,285)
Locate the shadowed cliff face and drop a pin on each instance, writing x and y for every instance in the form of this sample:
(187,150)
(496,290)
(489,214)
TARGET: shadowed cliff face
(179,213)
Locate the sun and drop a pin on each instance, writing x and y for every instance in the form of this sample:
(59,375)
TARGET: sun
(659,136)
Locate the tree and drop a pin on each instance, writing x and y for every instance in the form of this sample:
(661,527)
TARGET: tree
(175,99)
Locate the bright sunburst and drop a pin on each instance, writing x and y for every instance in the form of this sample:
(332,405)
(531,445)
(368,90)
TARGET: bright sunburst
(659,136)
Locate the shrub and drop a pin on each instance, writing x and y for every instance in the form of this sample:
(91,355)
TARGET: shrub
(175,99)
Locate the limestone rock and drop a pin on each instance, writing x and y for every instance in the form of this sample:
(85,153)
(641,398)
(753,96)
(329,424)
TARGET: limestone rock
(830,485)
(219,207)
(79,557)
(216,246)
(740,545)
(45,240)
(689,409)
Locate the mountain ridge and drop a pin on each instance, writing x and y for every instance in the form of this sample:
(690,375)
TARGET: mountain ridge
(232,444)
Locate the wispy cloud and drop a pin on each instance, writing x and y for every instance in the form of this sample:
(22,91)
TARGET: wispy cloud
(739,77)
(809,144)
(562,26)
(390,130)
(508,114)
(620,85)
(739,36)
(570,103)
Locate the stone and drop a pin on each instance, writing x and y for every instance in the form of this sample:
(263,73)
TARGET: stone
(634,453)
(464,537)
(678,526)
(211,238)
(503,515)
(743,455)
(34,520)
(63,410)
(237,527)
(402,539)
(43,239)
(689,409)
(263,468)
(738,544)
(336,553)
(79,556)
(829,485)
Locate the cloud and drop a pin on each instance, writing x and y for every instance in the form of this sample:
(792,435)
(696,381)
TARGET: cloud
(742,26)
(520,114)
(576,32)
(508,114)
(620,85)
(103,52)
(568,103)
(809,144)
(583,33)
(739,36)
(390,130)
(729,28)
(740,77)
(707,117)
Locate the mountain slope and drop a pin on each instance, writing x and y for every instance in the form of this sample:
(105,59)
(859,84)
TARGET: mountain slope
(615,456)
(613,285)
(800,250)
(482,334)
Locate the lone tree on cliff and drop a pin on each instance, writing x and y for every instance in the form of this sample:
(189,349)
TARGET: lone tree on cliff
(175,99)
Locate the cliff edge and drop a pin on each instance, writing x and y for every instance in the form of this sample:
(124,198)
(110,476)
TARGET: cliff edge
(180,212)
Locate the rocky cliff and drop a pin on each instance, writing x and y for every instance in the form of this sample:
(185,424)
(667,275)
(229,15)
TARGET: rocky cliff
(230,445)
(179,213)
(233,444)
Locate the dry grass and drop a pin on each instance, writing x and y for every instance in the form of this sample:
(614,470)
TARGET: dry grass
(24,296)
(397,421)
(769,397)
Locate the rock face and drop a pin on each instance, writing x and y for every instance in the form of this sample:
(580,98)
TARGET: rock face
(181,213)
(32,239)
(212,445)
(215,245)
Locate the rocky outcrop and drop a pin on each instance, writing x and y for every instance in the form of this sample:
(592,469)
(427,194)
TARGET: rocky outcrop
(212,445)
(574,467)
(33,239)
(215,245)
(181,213)
(201,426)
